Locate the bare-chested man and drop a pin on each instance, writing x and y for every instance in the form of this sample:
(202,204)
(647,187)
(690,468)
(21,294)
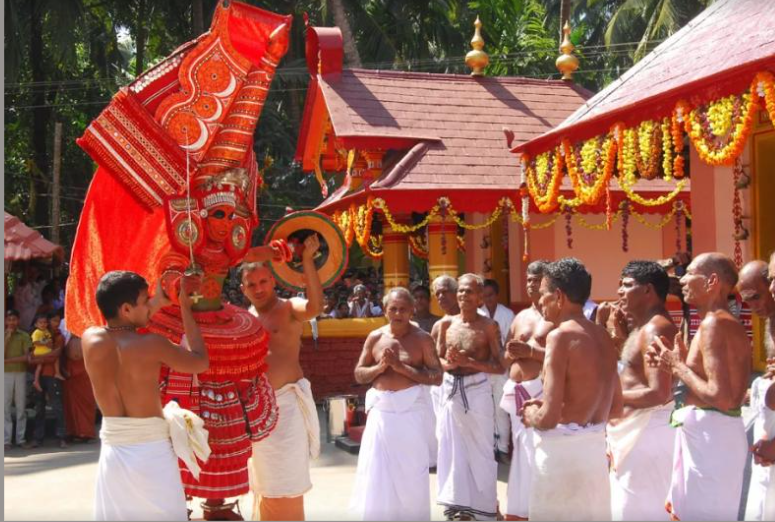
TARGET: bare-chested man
(642,441)
(392,480)
(444,289)
(469,346)
(138,476)
(524,357)
(708,467)
(281,461)
(581,388)
(753,286)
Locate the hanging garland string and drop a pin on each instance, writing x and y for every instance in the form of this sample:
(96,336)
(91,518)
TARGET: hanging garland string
(356,222)
(718,130)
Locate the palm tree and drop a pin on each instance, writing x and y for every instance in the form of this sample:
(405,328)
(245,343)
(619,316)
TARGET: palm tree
(647,21)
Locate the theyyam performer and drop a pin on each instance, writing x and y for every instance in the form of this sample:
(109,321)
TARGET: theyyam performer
(175,193)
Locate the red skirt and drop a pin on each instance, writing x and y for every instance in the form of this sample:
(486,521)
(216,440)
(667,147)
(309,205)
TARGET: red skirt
(233,397)
(235,416)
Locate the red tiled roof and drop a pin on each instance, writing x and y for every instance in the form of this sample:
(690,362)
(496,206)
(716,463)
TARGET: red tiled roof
(457,121)
(718,52)
(22,242)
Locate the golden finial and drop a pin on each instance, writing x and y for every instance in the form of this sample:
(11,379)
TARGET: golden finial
(567,63)
(477,59)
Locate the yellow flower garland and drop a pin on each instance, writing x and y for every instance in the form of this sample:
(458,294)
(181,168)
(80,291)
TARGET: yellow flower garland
(537,173)
(738,135)
(601,171)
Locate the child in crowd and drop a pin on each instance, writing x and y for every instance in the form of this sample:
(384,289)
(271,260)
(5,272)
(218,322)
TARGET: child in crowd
(43,343)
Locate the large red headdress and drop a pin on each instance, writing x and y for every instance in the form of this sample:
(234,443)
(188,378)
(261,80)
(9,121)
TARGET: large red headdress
(173,146)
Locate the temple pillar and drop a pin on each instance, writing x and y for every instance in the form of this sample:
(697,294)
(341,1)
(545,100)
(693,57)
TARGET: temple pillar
(442,253)
(395,260)
(474,239)
(499,264)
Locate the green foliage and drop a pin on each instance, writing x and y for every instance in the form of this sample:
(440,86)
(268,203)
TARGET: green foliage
(90,49)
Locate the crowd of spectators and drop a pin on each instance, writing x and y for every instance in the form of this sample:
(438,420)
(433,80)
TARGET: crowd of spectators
(44,376)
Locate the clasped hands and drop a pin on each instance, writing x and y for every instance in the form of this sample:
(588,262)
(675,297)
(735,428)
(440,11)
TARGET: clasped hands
(458,358)
(665,355)
(528,409)
(518,349)
(390,359)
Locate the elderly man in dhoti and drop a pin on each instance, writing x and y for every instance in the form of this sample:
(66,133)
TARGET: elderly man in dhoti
(711,446)
(469,346)
(753,287)
(641,441)
(137,475)
(279,469)
(581,390)
(524,355)
(398,359)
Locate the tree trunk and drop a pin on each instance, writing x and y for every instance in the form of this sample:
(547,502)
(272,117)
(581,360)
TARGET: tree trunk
(140,37)
(198,17)
(564,15)
(40,115)
(351,56)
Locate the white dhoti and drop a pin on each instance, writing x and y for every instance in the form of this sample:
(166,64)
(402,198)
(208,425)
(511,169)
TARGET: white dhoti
(433,443)
(502,423)
(570,477)
(279,466)
(708,464)
(641,448)
(761,494)
(137,474)
(466,468)
(521,470)
(392,481)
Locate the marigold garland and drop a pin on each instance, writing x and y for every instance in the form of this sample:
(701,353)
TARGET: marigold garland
(763,89)
(590,167)
(721,151)
(624,183)
(418,245)
(543,175)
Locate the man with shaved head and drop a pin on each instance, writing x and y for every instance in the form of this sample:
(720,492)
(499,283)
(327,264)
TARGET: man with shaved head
(711,444)
(469,346)
(754,289)
(392,480)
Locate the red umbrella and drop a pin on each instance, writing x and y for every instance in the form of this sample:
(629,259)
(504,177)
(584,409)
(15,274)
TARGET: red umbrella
(23,243)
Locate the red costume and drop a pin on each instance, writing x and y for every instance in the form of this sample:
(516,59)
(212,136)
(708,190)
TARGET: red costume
(195,112)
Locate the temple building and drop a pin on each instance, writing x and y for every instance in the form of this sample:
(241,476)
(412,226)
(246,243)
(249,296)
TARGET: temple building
(423,154)
(701,105)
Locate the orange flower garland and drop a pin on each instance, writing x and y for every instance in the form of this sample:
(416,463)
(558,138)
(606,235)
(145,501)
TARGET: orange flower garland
(705,143)
(590,168)
(544,176)
(763,89)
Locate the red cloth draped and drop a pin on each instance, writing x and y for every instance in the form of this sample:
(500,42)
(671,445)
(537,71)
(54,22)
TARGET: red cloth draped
(137,240)
(80,405)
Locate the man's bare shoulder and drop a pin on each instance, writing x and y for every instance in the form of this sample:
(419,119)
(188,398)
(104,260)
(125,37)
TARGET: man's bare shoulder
(376,335)
(421,335)
(528,314)
(722,322)
(94,336)
(660,325)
